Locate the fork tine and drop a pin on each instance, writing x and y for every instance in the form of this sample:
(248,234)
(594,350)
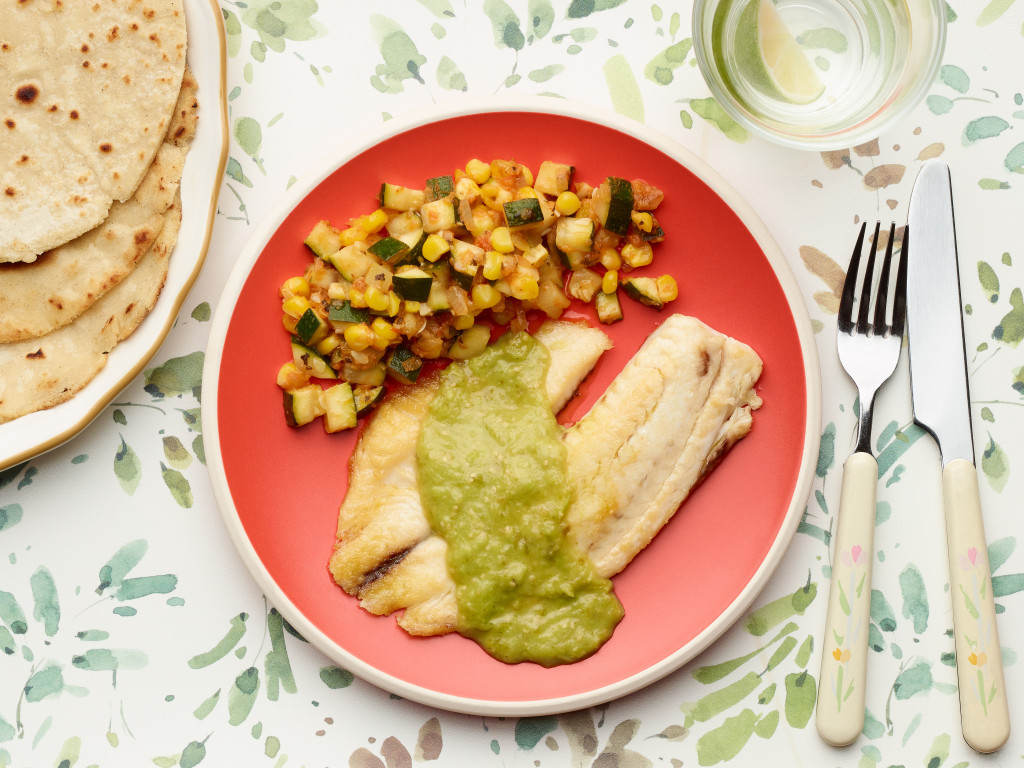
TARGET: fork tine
(864,307)
(882,297)
(899,306)
(850,285)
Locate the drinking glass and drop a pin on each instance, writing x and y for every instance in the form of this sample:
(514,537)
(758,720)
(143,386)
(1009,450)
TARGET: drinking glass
(819,74)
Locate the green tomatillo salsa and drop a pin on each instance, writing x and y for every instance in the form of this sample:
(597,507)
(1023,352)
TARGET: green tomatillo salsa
(493,480)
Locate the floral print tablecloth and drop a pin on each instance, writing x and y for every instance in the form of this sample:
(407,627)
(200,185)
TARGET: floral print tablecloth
(130,632)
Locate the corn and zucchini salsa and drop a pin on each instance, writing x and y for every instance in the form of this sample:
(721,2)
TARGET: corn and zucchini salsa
(429,272)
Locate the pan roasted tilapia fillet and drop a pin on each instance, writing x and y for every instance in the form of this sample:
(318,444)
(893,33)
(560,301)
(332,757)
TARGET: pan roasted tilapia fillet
(673,411)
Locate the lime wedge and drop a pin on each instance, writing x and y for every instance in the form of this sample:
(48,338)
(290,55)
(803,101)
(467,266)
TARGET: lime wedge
(769,57)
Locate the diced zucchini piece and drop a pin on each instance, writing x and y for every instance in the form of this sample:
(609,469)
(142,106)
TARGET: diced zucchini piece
(379,276)
(523,212)
(438,298)
(389,249)
(339,407)
(415,241)
(535,255)
(551,299)
(367,398)
(470,343)
(553,178)
(616,218)
(580,259)
(464,279)
(399,198)
(463,255)
(323,240)
(574,234)
(584,283)
(609,310)
(373,377)
(310,329)
(439,187)
(412,284)
(311,360)
(465,258)
(644,290)
(438,215)
(352,262)
(405,224)
(302,405)
(404,365)
(344,312)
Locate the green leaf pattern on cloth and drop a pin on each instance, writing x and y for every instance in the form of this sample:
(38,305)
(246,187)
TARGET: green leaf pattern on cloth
(230,681)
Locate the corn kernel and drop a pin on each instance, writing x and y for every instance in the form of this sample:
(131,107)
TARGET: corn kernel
(295,286)
(643,220)
(358,336)
(610,281)
(296,306)
(492,265)
(478,170)
(525,192)
(352,235)
(462,322)
(567,203)
(376,299)
(501,240)
(637,255)
(524,288)
(337,292)
(412,306)
(668,289)
(610,259)
(290,376)
(357,297)
(434,247)
(328,345)
(485,296)
(384,329)
(394,303)
(494,196)
(373,221)
(527,175)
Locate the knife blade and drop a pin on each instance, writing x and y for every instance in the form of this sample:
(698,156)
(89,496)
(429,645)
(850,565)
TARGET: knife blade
(941,400)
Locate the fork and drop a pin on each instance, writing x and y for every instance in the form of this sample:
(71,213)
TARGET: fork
(869,352)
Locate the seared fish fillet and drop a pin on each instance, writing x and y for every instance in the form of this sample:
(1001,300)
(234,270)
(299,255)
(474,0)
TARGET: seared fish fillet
(385,553)
(679,404)
(673,411)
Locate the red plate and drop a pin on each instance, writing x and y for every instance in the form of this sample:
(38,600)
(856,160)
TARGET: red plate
(279,488)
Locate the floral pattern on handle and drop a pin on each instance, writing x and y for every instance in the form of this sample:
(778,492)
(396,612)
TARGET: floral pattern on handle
(981,643)
(854,561)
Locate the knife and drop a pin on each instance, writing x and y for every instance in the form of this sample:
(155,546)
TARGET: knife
(938,381)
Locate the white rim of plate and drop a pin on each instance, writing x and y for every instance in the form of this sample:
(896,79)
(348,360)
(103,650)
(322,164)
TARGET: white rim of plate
(36,433)
(232,291)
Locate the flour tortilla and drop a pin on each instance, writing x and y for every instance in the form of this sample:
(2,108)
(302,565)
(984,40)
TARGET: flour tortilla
(86,94)
(40,373)
(39,297)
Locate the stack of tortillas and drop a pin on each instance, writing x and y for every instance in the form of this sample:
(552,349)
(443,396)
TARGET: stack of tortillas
(97,112)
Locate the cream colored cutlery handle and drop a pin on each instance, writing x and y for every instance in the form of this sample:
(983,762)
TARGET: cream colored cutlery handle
(840,710)
(984,715)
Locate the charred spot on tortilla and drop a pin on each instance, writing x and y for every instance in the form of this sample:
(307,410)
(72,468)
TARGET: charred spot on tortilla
(26,94)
